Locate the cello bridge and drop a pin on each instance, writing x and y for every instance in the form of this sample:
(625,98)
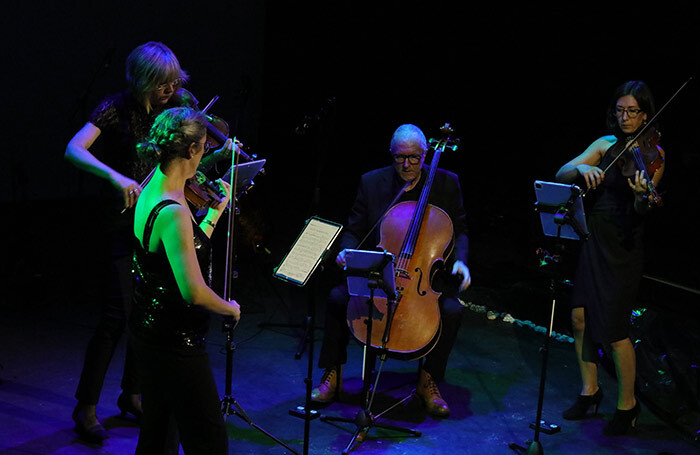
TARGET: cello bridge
(401,273)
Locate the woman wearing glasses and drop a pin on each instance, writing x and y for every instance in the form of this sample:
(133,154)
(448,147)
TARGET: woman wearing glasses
(121,121)
(172,301)
(611,260)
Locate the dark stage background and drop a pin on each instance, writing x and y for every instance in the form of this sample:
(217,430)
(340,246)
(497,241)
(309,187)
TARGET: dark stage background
(524,87)
(318,91)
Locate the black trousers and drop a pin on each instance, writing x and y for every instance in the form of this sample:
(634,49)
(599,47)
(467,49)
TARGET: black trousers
(337,335)
(179,388)
(117,288)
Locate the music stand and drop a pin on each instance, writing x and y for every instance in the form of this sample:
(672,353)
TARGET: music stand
(561,210)
(371,274)
(297,268)
(245,173)
(229,405)
(562,216)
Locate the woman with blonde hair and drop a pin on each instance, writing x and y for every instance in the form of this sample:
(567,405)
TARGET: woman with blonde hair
(113,130)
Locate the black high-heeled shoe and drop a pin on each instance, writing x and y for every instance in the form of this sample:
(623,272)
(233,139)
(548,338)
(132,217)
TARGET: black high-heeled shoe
(93,434)
(583,403)
(129,404)
(622,421)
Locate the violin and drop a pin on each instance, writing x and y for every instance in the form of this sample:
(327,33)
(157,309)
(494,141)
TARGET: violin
(201,192)
(420,236)
(646,156)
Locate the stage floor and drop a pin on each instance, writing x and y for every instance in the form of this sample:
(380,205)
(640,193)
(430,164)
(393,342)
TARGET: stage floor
(492,388)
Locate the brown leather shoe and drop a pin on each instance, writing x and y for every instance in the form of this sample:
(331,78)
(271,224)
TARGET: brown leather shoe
(428,391)
(329,388)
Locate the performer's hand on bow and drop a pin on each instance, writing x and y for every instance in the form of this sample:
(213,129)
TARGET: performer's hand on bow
(460,268)
(593,175)
(129,188)
(224,153)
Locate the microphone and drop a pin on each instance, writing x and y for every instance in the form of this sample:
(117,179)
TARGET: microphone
(310,120)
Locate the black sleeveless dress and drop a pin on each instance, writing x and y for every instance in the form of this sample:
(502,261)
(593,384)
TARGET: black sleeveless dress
(169,335)
(611,260)
(160,317)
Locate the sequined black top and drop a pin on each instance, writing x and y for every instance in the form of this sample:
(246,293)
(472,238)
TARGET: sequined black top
(160,317)
(123,123)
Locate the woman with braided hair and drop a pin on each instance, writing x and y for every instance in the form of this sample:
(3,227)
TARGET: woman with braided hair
(172,300)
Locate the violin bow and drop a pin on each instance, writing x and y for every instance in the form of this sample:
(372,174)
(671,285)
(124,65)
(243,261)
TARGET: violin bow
(229,234)
(150,174)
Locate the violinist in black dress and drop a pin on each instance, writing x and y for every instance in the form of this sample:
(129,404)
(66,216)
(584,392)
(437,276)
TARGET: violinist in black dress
(172,303)
(611,260)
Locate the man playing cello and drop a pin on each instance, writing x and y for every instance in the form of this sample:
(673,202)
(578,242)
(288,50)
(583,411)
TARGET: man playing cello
(376,191)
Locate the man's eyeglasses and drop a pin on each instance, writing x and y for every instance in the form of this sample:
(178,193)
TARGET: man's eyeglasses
(412,159)
(632,112)
(173,84)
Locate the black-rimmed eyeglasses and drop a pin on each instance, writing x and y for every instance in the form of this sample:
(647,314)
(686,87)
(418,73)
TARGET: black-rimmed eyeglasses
(412,159)
(632,112)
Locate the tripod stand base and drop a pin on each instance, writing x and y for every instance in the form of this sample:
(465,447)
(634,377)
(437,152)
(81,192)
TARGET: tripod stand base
(364,420)
(230,406)
(534,448)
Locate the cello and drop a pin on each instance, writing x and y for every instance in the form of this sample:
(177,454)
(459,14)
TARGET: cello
(420,236)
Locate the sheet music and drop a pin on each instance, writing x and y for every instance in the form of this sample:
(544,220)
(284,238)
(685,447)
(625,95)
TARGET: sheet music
(313,242)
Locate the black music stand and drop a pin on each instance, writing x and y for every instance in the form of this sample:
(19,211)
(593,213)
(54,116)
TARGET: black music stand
(370,274)
(562,216)
(298,267)
(229,405)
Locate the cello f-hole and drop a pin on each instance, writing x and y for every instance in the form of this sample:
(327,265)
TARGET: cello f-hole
(420,279)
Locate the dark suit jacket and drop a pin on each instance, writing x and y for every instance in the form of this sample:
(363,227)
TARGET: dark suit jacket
(379,187)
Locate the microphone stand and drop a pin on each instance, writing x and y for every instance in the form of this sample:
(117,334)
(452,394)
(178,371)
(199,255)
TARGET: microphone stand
(315,123)
(306,412)
(229,405)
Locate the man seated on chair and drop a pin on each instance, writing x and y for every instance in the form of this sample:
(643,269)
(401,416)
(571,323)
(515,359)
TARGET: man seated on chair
(376,191)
